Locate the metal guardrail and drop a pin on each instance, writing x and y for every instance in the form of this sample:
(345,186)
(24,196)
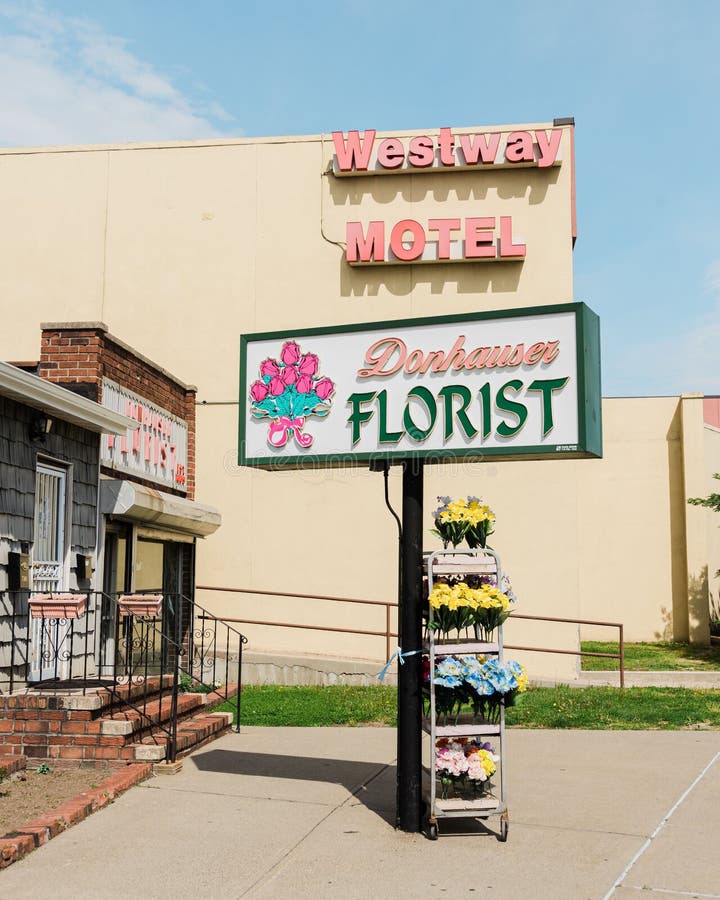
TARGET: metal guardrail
(621,640)
(388,634)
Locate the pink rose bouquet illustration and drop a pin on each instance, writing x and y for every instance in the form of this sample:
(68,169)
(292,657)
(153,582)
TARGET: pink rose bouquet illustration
(287,392)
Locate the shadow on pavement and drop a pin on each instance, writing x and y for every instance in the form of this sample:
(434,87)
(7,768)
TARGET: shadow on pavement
(372,784)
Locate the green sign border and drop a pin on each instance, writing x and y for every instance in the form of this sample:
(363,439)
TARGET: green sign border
(587,336)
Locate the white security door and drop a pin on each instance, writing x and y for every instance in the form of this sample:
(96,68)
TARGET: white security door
(49,658)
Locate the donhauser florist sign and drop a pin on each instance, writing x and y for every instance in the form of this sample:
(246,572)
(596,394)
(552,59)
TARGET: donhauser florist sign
(517,383)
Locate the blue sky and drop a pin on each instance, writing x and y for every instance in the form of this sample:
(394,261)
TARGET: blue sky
(640,78)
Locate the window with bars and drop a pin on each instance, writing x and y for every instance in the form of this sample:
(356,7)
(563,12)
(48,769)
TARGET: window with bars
(49,537)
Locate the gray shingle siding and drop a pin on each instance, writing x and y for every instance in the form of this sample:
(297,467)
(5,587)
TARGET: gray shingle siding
(18,458)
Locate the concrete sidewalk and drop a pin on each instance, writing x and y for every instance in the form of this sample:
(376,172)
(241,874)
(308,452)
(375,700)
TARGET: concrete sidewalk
(293,813)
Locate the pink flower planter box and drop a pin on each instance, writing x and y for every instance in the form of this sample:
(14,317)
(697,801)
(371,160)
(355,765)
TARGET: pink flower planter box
(140,604)
(57,606)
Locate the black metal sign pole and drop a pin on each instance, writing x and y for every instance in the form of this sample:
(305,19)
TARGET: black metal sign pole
(409,732)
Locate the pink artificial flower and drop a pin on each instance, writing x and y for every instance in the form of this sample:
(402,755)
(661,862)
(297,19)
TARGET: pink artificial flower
(289,375)
(258,391)
(290,353)
(324,387)
(277,386)
(304,384)
(269,367)
(308,364)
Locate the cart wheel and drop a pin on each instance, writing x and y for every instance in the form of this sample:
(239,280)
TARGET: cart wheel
(432,831)
(504,827)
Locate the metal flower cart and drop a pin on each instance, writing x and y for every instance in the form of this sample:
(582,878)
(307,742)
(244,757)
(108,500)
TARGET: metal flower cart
(464,564)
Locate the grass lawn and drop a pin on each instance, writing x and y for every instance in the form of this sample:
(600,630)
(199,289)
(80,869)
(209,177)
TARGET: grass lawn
(336,705)
(611,708)
(560,707)
(658,657)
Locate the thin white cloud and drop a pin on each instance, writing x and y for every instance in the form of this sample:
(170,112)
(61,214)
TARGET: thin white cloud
(700,343)
(683,359)
(712,279)
(67,81)
(688,360)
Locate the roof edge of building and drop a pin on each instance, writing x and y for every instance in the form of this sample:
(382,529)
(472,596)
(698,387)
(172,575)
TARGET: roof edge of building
(109,336)
(60,402)
(272,139)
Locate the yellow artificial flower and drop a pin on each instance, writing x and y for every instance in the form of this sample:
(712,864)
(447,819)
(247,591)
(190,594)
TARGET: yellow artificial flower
(461,511)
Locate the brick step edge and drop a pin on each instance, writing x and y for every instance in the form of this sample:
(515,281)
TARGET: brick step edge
(196,740)
(205,741)
(128,722)
(223,695)
(192,733)
(18,844)
(12,764)
(132,690)
(134,725)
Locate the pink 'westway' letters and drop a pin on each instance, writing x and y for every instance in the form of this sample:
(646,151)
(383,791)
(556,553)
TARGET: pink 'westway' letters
(356,153)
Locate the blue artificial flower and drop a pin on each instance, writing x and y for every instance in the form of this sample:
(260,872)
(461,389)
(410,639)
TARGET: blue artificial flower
(491,669)
(449,666)
(470,664)
(482,686)
(506,589)
(449,681)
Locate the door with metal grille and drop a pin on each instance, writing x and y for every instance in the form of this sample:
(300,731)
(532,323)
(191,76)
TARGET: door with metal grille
(49,659)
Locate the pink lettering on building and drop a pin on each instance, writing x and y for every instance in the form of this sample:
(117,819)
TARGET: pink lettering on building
(437,240)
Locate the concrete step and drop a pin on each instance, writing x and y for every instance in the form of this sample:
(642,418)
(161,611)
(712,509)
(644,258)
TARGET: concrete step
(76,703)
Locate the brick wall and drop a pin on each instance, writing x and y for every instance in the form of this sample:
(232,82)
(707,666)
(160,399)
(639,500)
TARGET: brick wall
(79,356)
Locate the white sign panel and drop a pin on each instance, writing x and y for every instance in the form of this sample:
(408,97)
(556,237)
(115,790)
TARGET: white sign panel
(518,382)
(157,451)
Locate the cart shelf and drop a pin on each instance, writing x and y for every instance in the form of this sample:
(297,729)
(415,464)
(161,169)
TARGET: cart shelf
(452,648)
(463,562)
(461,730)
(487,803)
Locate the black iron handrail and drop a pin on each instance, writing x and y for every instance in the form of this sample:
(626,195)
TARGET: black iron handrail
(203,649)
(102,648)
(139,632)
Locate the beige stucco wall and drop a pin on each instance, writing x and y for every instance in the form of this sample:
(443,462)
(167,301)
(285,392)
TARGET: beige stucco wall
(696,517)
(587,539)
(181,248)
(329,533)
(712,486)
